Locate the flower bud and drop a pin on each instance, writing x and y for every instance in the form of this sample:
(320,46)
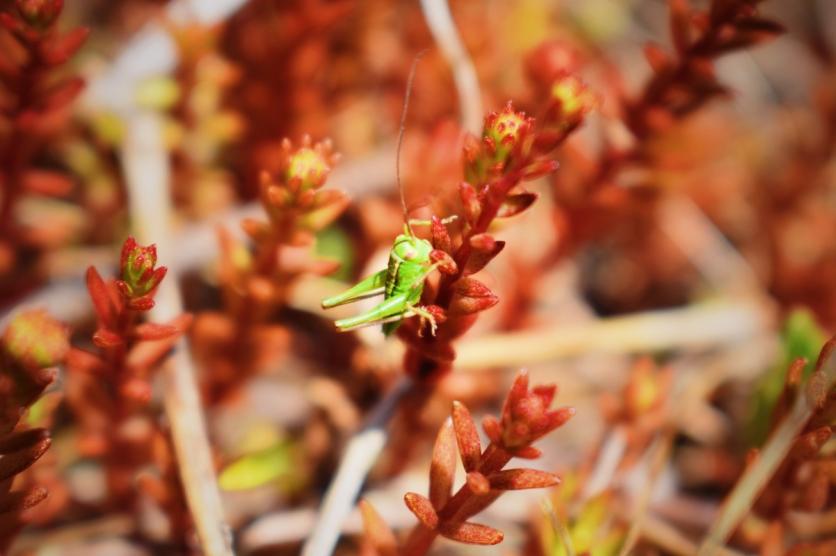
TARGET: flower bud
(573,100)
(526,415)
(503,132)
(308,166)
(40,13)
(137,269)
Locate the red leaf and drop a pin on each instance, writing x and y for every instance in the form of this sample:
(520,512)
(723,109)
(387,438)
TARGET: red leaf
(105,338)
(478,483)
(470,202)
(483,242)
(154,331)
(759,29)
(446,264)
(485,248)
(143,303)
(83,361)
(443,466)
(64,93)
(10,23)
(422,508)
(519,479)
(137,390)
(128,247)
(144,356)
(20,501)
(440,235)
(553,420)
(543,167)
(325,197)
(472,533)
(14,463)
(528,452)
(100,297)
(656,57)
(516,204)
(376,532)
(61,49)
(44,182)
(278,196)
(809,444)
(681,25)
(519,390)
(492,428)
(22,439)
(471,296)
(256,229)
(466,437)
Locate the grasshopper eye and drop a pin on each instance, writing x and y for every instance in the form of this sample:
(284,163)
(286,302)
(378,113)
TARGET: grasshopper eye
(409,254)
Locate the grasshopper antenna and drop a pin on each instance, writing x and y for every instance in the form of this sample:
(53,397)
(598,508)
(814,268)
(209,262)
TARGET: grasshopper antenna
(401,131)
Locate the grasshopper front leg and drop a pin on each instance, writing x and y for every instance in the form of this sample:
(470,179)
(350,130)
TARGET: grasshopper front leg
(368,287)
(426,317)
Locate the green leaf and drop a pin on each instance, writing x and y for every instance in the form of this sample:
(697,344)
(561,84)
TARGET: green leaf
(801,337)
(274,464)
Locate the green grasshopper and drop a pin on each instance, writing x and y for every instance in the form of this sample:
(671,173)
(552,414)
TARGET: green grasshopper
(402,281)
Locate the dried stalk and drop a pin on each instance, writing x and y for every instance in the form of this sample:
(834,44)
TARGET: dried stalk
(659,454)
(146,166)
(740,501)
(359,457)
(692,327)
(443,28)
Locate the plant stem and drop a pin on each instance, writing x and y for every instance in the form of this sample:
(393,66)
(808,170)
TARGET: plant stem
(359,457)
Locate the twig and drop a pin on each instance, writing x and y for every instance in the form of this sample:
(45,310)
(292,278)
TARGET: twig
(112,525)
(146,166)
(709,251)
(666,537)
(606,463)
(440,21)
(659,455)
(559,528)
(740,500)
(696,326)
(359,457)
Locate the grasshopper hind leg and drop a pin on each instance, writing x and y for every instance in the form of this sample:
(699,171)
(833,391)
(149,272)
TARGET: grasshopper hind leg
(384,312)
(368,287)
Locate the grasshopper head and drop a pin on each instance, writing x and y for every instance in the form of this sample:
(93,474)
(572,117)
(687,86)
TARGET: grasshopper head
(412,249)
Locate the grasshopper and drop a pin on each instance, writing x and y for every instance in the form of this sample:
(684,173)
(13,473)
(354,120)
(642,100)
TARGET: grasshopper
(402,281)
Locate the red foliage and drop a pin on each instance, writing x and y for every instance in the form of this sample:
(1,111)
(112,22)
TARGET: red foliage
(36,102)
(525,418)
(511,151)
(109,391)
(31,345)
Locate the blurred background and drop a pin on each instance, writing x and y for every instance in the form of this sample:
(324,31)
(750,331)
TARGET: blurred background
(683,254)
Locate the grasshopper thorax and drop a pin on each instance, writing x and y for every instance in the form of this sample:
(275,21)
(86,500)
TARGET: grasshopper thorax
(408,248)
